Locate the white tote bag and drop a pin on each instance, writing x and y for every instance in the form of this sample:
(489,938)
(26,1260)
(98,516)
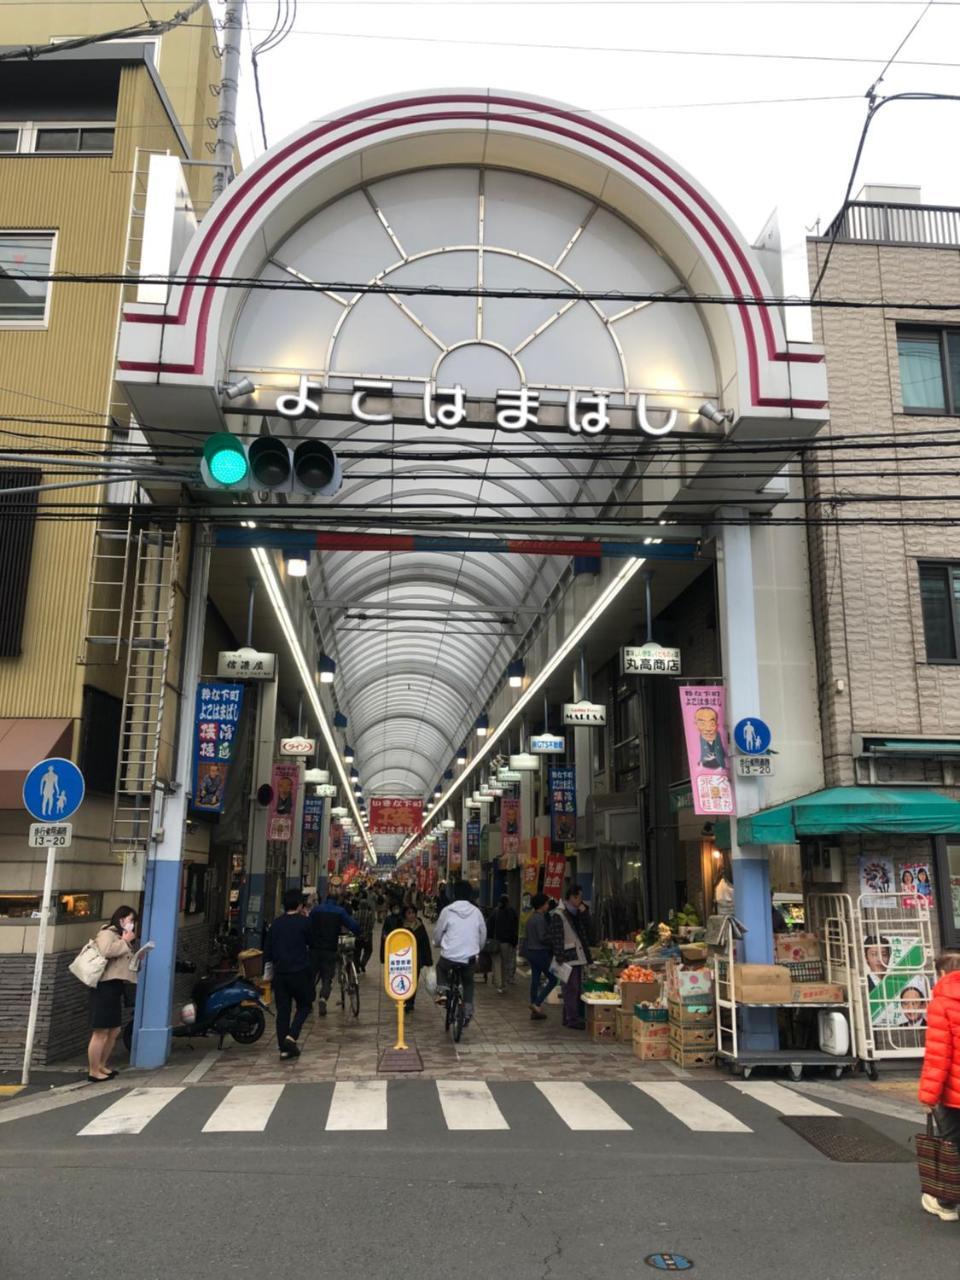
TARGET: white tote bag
(89,964)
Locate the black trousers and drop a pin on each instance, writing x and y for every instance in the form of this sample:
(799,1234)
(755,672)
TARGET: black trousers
(324,968)
(364,950)
(287,988)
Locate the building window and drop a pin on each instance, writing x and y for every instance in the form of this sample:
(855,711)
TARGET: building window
(52,138)
(18,513)
(929,370)
(940,602)
(24,254)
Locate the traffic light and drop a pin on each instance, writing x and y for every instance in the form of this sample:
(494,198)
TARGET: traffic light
(267,463)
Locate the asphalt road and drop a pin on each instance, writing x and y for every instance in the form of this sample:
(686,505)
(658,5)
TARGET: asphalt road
(530,1200)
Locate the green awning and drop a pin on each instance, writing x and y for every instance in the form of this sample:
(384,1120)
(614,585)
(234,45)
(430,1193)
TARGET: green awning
(839,811)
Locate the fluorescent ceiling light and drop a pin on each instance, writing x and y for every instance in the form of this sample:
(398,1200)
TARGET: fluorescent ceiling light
(269,578)
(296,567)
(599,606)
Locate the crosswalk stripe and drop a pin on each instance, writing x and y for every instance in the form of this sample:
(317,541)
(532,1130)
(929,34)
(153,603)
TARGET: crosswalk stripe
(579,1107)
(469,1104)
(358,1104)
(691,1108)
(245,1109)
(781,1099)
(131,1113)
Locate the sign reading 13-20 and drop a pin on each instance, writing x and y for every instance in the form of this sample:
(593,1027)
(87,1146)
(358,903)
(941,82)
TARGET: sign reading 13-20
(587,413)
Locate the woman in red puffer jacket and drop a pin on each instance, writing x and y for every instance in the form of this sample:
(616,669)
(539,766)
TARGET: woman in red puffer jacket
(940,1078)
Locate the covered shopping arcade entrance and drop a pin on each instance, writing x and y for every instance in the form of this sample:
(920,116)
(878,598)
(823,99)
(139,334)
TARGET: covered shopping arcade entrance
(492,309)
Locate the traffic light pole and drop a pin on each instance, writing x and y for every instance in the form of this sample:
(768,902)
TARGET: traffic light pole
(161,901)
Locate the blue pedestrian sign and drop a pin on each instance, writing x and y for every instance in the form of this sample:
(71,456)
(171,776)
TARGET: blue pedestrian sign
(53,790)
(752,736)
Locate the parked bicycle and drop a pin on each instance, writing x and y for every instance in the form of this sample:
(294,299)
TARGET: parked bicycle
(347,976)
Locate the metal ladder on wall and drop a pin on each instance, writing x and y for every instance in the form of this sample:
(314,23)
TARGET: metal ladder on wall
(103,633)
(154,592)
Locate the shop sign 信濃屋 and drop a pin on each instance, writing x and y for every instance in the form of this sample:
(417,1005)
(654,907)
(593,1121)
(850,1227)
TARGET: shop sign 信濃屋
(583,713)
(702,707)
(284,779)
(547,744)
(562,787)
(297,746)
(517,409)
(217,721)
(246,664)
(649,660)
(395,815)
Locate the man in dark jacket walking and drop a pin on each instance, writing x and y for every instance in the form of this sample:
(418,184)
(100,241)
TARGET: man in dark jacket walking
(537,950)
(327,921)
(505,928)
(570,938)
(288,950)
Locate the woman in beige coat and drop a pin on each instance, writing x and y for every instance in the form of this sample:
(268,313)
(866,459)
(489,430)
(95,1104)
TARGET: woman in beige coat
(115,942)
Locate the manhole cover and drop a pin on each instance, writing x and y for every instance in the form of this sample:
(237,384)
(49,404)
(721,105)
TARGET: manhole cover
(849,1141)
(668,1262)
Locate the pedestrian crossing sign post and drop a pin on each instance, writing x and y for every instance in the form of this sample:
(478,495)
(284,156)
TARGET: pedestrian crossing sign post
(400,981)
(53,791)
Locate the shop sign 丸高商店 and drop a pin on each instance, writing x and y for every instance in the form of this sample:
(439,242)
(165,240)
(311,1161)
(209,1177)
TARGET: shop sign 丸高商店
(517,409)
(649,660)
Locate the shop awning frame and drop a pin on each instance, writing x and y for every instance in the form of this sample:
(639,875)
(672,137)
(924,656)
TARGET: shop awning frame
(843,811)
(24,742)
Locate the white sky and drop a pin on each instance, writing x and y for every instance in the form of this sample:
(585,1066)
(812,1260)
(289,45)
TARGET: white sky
(791,156)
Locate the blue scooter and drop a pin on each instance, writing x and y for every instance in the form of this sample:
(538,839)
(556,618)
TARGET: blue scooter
(222,1003)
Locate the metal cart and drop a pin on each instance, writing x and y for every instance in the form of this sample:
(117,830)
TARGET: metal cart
(743,1061)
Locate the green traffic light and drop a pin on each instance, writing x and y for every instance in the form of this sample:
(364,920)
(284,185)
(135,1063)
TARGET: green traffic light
(226,459)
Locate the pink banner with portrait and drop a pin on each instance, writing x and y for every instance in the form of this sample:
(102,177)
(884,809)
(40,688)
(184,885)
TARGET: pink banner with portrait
(703,708)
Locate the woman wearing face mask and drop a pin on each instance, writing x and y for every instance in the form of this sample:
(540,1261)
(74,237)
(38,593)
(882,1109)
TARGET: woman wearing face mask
(115,942)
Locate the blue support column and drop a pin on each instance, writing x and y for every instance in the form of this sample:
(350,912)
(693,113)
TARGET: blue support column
(751,871)
(161,915)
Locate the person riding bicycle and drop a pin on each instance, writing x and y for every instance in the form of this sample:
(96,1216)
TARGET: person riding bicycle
(327,920)
(460,933)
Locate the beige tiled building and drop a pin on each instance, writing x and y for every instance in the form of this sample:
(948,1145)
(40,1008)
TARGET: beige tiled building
(885,561)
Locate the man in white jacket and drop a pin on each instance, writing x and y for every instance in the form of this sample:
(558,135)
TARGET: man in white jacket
(460,933)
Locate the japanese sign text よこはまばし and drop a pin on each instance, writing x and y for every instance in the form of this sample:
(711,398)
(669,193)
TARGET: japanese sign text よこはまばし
(562,786)
(395,815)
(217,721)
(516,410)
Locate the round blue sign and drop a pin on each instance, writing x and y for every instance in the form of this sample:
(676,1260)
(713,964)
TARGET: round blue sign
(53,790)
(752,736)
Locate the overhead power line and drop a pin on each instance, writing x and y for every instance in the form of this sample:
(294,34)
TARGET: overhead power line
(151,27)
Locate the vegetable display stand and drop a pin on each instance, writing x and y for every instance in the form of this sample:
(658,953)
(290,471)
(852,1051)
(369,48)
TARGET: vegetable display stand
(731,1054)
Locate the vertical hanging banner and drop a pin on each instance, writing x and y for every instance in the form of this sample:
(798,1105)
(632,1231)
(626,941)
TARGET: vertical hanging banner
(471,870)
(509,832)
(455,855)
(218,717)
(554,870)
(312,825)
(284,779)
(336,846)
(708,754)
(562,784)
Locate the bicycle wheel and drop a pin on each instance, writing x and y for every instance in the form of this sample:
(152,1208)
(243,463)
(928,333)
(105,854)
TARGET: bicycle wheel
(458,1019)
(448,1011)
(341,972)
(353,989)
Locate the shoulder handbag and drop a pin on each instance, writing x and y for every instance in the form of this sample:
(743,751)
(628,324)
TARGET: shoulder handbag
(89,964)
(938,1161)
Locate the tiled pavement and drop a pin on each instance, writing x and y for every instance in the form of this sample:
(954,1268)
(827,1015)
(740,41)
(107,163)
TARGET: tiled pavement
(501,1043)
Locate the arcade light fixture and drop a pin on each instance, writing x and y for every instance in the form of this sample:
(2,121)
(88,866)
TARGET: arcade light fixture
(483,725)
(462,757)
(327,668)
(515,673)
(296,566)
(348,754)
(268,576)
(556,659)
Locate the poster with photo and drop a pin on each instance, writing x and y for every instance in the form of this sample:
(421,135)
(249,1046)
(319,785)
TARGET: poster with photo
(916,885)
(898,989)
(708,752)
(878,881)
(284,778)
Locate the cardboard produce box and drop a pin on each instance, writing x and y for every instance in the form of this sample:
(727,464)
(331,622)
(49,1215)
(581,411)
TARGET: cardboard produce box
(761,983)
(695,1038)
(689,985)
(692,1057)
(650,1030)
(625,1021)
(632,993)
(652,1050)
(685,1015)
(602,1030)
(795,947)
(816,993)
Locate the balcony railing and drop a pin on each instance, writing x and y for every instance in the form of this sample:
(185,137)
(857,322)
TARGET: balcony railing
(907,224)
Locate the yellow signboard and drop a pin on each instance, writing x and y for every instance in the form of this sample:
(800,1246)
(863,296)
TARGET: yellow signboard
(400,973)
